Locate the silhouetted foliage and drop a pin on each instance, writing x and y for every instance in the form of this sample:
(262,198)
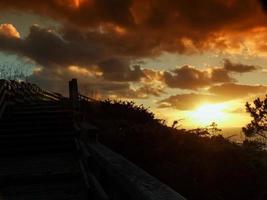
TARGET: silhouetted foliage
(258,125)
(14,72)
(211,129)
(177,123)
(198,164)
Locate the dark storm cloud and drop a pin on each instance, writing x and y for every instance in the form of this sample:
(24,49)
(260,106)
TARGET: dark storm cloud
(238,67)
(109,34)
(264,4)
(50,49)
(152,26)
(118,70)
(187,77)
(133,28)
(87,13)
(53,50)
(57,79)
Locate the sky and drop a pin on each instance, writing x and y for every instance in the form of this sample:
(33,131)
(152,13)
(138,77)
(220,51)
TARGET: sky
(195,60)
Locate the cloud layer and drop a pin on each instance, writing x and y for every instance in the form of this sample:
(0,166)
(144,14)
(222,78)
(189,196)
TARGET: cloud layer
(216,94)
(98,40)
(187,77)
(152,26)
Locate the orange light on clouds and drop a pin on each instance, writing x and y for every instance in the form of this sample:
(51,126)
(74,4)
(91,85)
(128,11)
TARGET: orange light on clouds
(84,71)
(77,3)
(73,4)
(119,30)
(9,30)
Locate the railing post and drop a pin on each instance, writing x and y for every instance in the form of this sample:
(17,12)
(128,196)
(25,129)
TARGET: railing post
(73,93)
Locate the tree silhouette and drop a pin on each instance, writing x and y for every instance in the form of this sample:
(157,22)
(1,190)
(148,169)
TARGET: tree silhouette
(258,125)
(213,128)
(177,123)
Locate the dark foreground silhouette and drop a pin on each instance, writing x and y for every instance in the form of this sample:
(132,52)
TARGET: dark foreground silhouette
(48,151)
(196,165)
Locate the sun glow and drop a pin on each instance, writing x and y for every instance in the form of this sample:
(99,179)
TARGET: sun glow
(77,3)
(208,113)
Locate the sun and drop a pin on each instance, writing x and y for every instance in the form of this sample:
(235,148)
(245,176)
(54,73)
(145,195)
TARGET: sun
(208,113)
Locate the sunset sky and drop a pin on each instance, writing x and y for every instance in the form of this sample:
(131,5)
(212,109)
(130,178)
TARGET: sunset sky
(199,60)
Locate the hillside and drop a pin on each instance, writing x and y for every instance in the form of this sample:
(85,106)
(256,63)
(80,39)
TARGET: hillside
(198,166)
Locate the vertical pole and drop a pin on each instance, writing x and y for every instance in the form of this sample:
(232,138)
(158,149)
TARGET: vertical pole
(73,93)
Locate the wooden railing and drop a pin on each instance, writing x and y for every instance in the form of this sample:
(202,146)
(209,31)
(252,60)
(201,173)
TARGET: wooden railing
(12,92)
(108,175)
(85,98)
(112,177)
(4,93)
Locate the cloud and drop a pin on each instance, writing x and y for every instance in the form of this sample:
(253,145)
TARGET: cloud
(188,101)
(90,83)
(57,78)
(188,77)
(71,53)
(142,92)
(118,70)
(235,91)
(238,67)
(152,75)
(72,48)
(150,90)
(94,31)
(9,30)
(49,49)
(104,37)
(264,4)
(173,26)
(217,94)
(80,12)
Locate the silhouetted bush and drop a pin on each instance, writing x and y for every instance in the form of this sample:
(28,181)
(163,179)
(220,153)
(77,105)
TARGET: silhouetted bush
(199,166)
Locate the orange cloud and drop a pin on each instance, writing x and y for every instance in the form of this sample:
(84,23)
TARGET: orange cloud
(235,91)
(9,30)
(153,26)
(110,34)
(77,3)
(188,101)
(217,94)
(83,71)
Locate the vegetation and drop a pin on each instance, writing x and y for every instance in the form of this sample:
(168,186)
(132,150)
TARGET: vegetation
(14,72)
(197,164)
(258,125)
